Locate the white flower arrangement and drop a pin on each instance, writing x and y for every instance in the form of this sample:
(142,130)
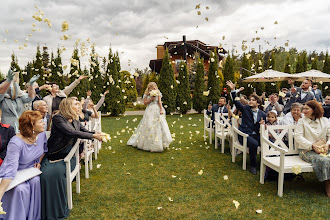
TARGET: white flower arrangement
(154,93)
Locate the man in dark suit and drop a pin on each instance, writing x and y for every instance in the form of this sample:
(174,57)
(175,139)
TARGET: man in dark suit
(252,117)
(326,107)
(217,108)
(300,95)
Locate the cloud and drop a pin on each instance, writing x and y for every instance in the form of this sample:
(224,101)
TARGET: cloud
(135,28)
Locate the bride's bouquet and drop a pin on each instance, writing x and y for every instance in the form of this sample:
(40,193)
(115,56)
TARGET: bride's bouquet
(155,93)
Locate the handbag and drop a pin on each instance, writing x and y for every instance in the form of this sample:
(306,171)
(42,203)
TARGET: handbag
(321,146)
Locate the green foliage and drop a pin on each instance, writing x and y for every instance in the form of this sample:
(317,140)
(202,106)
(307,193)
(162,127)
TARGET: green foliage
(228,70)
(247,66)
(198,97)
(272,87)
(287,69)
(314,63)
(167,83)
(260,87)
(153,77)
(96,81)
(38,67)
(57,70)
(183,98)
(75,72)
(114,101)
(145,83)
(213,82)
(129,86)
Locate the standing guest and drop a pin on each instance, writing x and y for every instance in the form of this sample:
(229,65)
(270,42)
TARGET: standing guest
(274,105)
(66,129)
(224,93)
(12,99)
(56,95)
(293,116)
(283,99)
(217,108)
(317,94)
(99,103)
(6,133)
(311,129)
(42,107)
(300,95)
(326,107)
(252,116)
(25,150)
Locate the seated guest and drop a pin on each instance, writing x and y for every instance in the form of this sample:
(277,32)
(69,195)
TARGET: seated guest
(326,107)
(293,116)
(56,95)
(65,131)
(282,98)
(219,108)
(311,129)
(251,119)
(317,93)
(6,133)
(25,150)
(300,95)
(274,105)
(42,107)
(12,99)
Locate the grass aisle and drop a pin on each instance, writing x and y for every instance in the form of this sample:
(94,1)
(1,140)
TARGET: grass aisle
(133,184)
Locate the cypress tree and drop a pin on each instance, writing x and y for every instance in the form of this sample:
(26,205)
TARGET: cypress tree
(314,63)
(27,72)
(199,88)
(246,65)
(153,77)
(287,69)
(38,67)
(96,82)
(57,70)
(75,72)
(213,82)
(129,85)
(114,101)
(326,69)
(271,87)
(145,83)
(183,91)
(228,70)
(260,87)
(167,84)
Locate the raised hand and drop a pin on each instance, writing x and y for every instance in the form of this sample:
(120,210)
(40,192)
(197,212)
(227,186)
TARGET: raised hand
(34,79)
(262,121)
(106,92)
(89,93)
(10,75)
(241,89)
(82,77)
(230,84)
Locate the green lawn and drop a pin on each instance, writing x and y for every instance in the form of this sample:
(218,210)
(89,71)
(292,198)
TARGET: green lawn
(132,184)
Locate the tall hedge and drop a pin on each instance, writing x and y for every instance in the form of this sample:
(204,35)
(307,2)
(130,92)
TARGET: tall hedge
(198,97)
(183,91)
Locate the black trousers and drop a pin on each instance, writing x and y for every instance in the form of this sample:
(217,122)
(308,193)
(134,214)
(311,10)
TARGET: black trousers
(253,141)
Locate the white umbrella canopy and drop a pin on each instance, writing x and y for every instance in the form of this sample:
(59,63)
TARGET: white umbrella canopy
(315,75)
(269,76)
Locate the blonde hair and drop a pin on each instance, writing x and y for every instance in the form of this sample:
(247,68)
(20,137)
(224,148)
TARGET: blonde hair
(66,109)
(150,85)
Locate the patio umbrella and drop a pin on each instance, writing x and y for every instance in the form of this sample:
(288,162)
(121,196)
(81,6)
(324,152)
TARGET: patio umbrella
(315,75)
(269,76)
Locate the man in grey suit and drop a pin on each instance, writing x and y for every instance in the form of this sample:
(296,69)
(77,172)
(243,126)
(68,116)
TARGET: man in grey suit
(300,95)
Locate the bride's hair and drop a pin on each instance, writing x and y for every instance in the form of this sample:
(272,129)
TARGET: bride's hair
(149,87)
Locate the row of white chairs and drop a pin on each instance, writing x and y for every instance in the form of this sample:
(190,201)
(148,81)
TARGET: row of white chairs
(279,155)
(92,125)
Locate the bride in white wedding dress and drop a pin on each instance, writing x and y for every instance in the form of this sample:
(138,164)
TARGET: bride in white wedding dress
(152,134)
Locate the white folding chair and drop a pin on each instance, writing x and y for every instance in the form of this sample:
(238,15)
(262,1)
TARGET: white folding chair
(222,129)
(74,174)
(278,155)
(88,150)
(208,126)
(236,145)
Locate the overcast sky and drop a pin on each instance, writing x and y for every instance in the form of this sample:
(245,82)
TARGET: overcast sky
(135,27)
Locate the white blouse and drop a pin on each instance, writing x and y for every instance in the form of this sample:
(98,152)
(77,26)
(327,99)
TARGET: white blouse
(310,131)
